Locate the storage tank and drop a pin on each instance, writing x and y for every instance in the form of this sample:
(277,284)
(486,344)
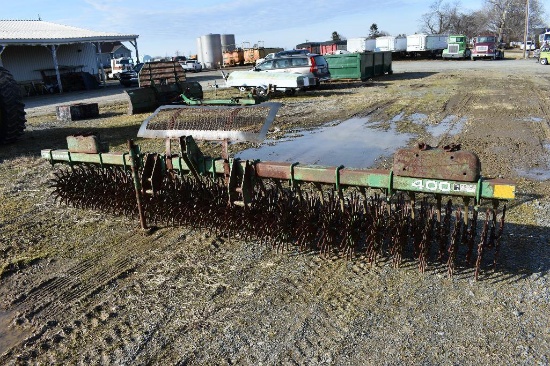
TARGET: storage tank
(200,57)
(211,46)
(228,42)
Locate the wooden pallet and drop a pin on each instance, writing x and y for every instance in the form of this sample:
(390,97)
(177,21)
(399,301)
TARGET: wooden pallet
(161,73)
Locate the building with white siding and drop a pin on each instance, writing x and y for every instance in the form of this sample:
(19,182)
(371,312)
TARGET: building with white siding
(111,50)
(39,51)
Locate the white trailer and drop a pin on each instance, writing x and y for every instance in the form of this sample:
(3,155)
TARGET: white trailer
(426,44)
(391,43)
(361,44)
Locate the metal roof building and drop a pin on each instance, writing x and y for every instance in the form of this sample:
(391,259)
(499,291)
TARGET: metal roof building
(29,48)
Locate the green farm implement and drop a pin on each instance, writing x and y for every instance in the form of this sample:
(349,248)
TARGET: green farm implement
(165,83)
(404,213)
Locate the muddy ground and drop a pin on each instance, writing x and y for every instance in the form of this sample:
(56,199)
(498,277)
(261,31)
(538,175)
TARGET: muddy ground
(83,287)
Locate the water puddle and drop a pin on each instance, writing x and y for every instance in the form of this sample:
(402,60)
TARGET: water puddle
(538,174)
(450,125)
(352,143)
(418,118)
(398,117)
(534,119)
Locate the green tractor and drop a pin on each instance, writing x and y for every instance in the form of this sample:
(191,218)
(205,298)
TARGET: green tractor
(12,109)
(457,47)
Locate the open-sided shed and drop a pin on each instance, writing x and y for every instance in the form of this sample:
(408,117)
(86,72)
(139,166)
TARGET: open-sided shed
(33,49)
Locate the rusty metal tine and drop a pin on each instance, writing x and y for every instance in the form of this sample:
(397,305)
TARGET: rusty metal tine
(481,246)
(438,207)
(137,184)
(499,236)
(412,199)
(466,201)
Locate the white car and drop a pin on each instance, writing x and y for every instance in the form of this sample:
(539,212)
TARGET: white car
(191,65)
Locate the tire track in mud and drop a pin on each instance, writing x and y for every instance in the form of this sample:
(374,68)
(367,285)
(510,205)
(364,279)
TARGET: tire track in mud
(543,106)
(56,294)
(46,303)
(453,111)
(304,328)
(171,318)
(317,340)
(316,330)
(322,332)
(121,339)
(377,108)
(194,323)
(519,133)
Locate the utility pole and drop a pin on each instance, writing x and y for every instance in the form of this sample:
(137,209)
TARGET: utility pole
(525,51)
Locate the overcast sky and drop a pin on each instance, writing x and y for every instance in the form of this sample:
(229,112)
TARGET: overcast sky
(169,26)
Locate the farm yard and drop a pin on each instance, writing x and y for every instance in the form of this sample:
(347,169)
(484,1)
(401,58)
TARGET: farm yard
(80,286)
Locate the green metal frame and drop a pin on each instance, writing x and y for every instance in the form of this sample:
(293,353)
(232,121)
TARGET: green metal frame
(248,100)
(189,162)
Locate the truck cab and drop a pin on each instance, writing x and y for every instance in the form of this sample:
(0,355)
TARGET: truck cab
(544,39)
(119,65)
(486,47)
(457,47)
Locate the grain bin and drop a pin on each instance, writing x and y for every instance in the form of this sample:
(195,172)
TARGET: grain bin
(200,57)
(228,42)
(211,47)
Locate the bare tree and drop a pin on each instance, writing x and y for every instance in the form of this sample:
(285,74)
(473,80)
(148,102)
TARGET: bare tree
(474,24)
(507,17)
(470,24)
(442,18)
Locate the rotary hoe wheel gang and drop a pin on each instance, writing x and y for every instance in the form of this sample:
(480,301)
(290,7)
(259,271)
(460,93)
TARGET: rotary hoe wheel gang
(400,214)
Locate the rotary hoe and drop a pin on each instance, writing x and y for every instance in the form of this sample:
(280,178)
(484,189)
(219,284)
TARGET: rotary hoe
(404,214)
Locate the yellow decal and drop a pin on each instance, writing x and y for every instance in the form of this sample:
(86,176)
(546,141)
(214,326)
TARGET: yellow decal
(505,191)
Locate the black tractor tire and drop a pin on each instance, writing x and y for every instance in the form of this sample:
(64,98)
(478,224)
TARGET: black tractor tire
(543,61)
(12,109)
(261,91)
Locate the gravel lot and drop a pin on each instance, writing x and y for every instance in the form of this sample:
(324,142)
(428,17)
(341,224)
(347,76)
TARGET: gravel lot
(83,287)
